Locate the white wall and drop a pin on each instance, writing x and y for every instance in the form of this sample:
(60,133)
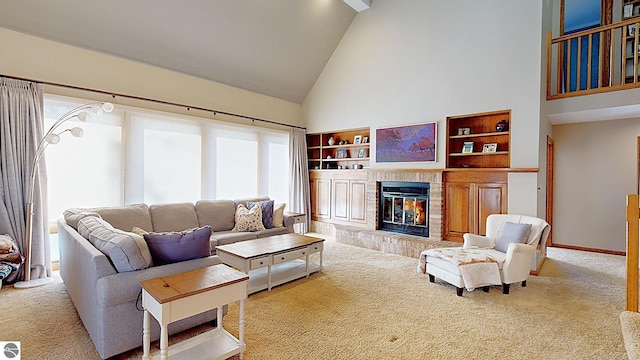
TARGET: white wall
(596,166)
(38,59)
(410,61)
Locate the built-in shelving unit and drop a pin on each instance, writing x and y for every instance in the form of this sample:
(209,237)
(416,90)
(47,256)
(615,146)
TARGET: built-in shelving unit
(477,141)
(342,152)
(630,10)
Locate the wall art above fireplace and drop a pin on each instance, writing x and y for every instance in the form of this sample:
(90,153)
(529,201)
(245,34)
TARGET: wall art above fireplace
(407,143)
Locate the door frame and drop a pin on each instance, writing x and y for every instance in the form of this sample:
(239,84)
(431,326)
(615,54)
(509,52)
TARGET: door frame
(549,198)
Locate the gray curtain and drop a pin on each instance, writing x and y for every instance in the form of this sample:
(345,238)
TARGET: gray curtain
(299,195)
(21,129)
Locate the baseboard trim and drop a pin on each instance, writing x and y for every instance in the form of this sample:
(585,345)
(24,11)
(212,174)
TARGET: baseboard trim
(602,251)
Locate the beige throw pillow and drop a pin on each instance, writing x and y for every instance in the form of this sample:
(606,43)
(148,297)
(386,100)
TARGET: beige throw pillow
(278,215)
(248,220)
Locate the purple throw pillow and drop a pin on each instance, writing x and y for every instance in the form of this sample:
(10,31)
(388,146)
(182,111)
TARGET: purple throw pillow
(267,212)
(171,247)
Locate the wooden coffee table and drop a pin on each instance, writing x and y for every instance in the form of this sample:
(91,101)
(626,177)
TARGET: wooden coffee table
(175,297)
(273,260)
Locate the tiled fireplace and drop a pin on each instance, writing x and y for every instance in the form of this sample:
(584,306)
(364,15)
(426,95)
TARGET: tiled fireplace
(392,242)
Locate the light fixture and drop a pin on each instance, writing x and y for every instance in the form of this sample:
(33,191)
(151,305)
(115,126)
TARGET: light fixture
(51,137)
(358,5)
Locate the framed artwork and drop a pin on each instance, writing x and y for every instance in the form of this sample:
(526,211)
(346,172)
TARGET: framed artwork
(357,139)
(464,131)
(467,148)
(410,143)
(362,153)
(492,147)
(365,139)
(341,154)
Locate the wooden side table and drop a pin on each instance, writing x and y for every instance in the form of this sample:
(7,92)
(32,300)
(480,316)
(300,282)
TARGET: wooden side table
(175,297)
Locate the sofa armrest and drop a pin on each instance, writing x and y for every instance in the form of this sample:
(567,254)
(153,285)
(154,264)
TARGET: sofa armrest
(477,241)
(289,221)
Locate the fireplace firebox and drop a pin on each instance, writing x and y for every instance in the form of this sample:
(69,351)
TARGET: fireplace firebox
(404,207)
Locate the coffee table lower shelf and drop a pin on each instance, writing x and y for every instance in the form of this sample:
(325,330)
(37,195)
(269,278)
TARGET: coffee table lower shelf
(213,344)
(280,274)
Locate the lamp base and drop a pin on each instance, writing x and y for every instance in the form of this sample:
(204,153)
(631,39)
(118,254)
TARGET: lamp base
(32,283)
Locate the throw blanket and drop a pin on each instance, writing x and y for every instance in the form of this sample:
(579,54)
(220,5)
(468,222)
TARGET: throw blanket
(10,258)
(476,268)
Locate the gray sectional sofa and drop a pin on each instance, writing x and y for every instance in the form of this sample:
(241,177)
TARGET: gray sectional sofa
(107,300)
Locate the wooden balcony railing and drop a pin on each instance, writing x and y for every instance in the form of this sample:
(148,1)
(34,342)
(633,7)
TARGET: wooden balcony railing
(633,222)
(606,58)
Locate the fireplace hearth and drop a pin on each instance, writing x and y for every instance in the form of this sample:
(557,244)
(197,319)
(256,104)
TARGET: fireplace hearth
(404,207)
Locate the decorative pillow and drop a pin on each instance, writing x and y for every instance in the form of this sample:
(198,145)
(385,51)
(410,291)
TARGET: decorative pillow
(127,251)
(512,233)
(267,212)
(6,245)
(278,215)
(175,246)
(139,231)
(89,224)
(73,216)
(248,220)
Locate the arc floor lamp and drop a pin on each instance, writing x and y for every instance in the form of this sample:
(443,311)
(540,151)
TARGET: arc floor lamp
(51,137)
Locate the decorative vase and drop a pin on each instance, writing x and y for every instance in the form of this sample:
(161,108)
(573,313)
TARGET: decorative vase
(331,141)
(501,126)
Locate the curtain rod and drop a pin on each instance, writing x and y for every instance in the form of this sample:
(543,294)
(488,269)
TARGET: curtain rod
(163,102)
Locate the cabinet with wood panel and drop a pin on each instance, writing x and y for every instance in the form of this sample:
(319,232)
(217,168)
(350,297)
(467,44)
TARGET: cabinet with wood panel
(470,197)
(631,10)
(338,149)
(338,196)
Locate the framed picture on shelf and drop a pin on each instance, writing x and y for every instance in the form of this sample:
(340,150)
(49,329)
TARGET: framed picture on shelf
(357,139)
(489,148)
(467,148)
(341,154)
(365,139)
(628,10)
(362,153)
(464,131)
(632,29)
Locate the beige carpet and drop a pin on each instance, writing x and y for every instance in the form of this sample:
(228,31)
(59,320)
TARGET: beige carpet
(371,305)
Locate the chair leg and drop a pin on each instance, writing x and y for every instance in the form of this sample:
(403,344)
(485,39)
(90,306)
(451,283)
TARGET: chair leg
(432,278)
(524,283)
(505,289)
(459,291)
(485,288)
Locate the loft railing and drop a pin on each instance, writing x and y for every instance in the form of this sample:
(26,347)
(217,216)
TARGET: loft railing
(606,58)
(633,222)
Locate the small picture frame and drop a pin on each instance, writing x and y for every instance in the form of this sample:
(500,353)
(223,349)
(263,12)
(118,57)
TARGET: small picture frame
(464,131)
(362,153)
(341,154)
(632,29)
(490,148)
(357,139)
(365,139)
(467,148)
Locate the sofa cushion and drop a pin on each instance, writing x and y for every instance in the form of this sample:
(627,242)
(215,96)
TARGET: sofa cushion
(230,237)
(72,216)
(127,251)
(245,201)
(267,211)
(248,220)
(90,223)
(511,233)
(278,215)
(126,217)
(175,246)
(219,214)
(173,217)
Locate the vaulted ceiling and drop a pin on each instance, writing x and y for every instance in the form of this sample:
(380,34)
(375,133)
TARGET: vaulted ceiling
(273,47)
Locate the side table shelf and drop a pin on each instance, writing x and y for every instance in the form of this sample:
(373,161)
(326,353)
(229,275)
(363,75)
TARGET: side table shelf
(175,297)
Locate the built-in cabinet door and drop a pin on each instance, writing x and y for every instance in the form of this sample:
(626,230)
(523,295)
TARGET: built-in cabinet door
(458,214)
(491,199)
(358,201)
(340,203)
(322,203)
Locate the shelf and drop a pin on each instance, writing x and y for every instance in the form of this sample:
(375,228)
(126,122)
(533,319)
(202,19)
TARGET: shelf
(480,153)
(318,148)
(479,135)
(346,159)
(343,146)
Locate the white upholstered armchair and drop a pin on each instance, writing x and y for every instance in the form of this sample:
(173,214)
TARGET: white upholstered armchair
(504,256)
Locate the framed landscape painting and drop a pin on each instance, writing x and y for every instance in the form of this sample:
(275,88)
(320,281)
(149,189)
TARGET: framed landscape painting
(407,143)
